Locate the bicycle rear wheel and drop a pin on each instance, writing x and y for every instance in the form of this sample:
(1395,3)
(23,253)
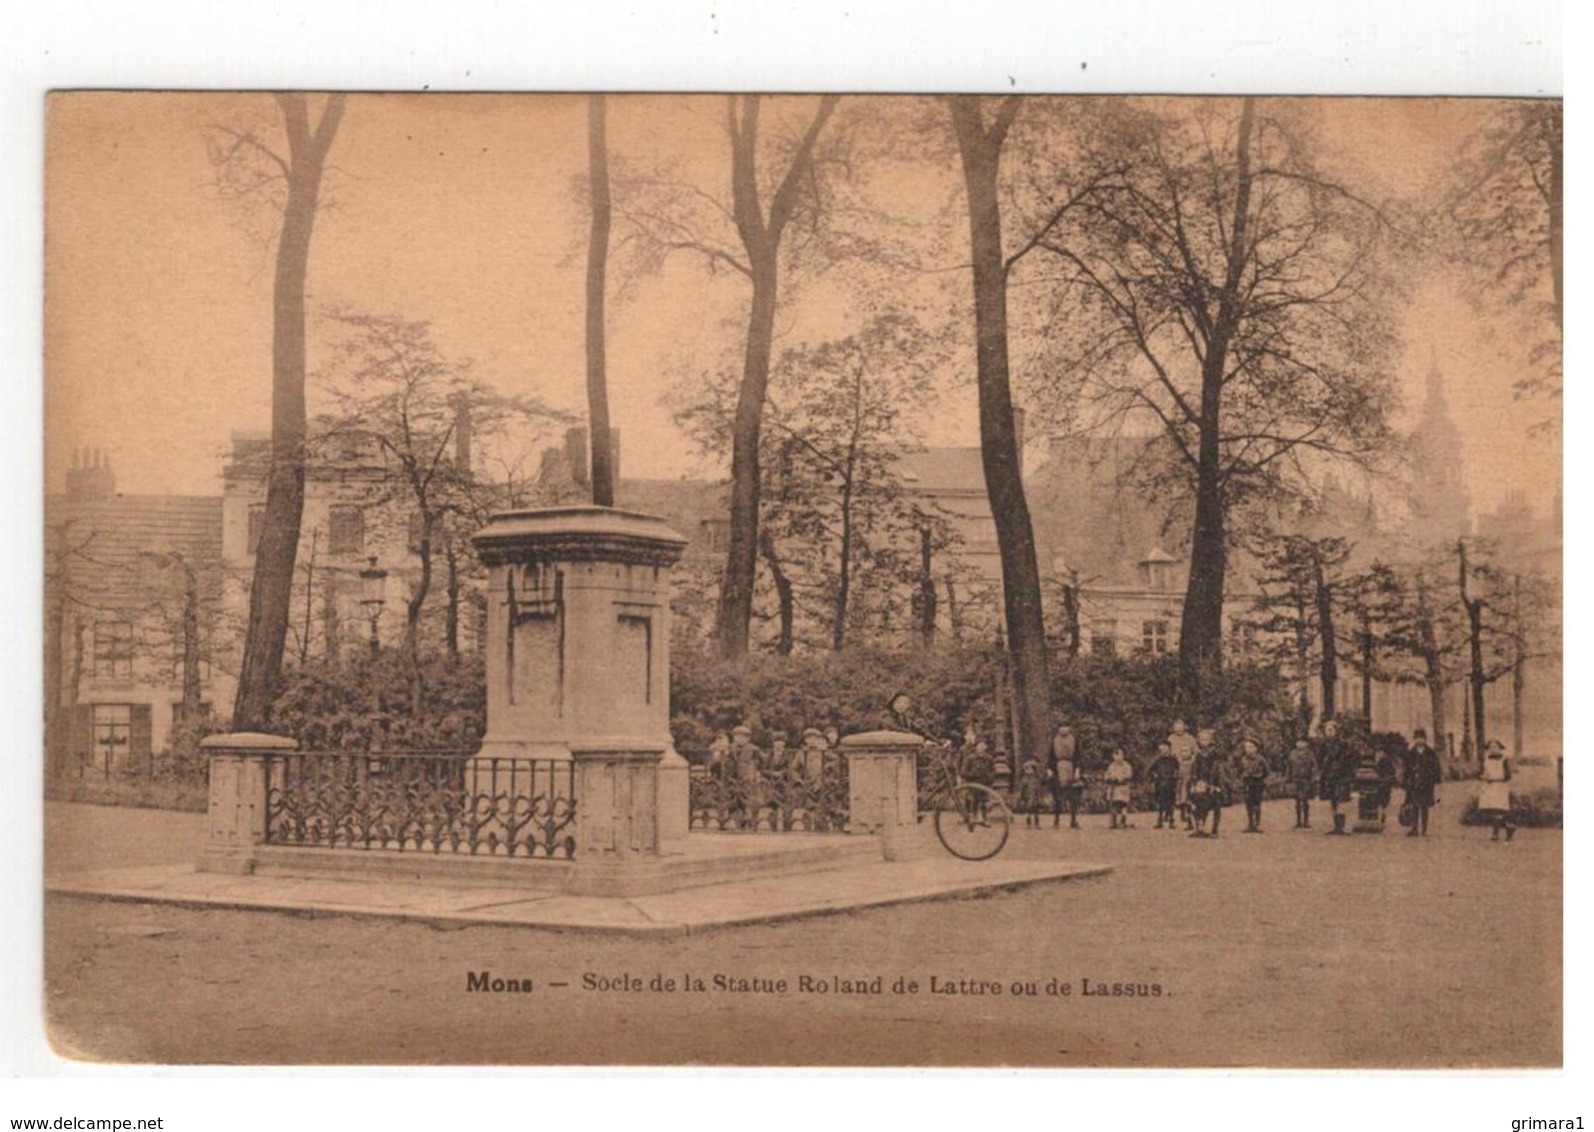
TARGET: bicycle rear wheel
(973,822)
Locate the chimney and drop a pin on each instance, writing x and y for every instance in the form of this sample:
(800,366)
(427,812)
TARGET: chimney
(462,435)
(576,456)
(90,478)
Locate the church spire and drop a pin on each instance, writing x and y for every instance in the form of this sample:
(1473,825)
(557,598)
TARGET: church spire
(1440,502)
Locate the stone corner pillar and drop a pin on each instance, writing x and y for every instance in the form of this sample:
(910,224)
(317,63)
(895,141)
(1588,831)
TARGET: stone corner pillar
(235,821)
(883,790)
(617,813)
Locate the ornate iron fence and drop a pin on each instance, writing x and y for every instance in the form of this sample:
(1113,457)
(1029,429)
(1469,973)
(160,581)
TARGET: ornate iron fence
(422,801)
(803,796)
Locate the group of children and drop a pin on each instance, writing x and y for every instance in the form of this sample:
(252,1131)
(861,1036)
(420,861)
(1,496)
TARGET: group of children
(1192,781)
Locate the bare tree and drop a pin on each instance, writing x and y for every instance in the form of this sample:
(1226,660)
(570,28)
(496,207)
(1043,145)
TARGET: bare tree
(1231,296)
(774,186)
(839,534)
(980,138)
(298,176)
(393,385)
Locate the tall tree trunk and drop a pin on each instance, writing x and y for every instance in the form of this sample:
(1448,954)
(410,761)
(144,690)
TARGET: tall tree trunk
(927,595)
(1433,663)
(1367,671)
(191,644)
(783,594)
(451,622)
(980,147)
(760,235)
(1328,662)
(736,593)
(309,600)
(838,627)
(1519,663)
(1201,624)
(412,615)
(597,269)
(1303,658)
(1475,677)
(272,589)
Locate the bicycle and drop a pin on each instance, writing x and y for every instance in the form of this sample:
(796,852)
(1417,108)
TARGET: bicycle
(971,820)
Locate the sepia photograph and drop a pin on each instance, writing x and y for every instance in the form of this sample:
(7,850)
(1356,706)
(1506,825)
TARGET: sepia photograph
(802,580)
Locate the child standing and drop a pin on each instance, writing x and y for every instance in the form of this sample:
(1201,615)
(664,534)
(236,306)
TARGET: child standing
(1118,777)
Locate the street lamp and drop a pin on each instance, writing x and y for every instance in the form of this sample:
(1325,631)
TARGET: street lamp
(373,584)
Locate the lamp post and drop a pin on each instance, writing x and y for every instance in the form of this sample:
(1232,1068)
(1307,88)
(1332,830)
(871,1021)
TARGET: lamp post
(373,584)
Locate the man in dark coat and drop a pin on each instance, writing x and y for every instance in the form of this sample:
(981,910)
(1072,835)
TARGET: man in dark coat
(1423,774)
(1336,762)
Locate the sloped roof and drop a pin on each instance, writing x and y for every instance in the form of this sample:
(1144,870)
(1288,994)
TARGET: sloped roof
(110,540)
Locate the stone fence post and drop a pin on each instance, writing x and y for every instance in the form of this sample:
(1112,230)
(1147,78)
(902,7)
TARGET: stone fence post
(883,789)
(235,824)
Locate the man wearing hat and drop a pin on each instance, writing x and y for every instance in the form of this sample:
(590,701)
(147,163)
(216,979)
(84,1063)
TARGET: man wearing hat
(1422,774)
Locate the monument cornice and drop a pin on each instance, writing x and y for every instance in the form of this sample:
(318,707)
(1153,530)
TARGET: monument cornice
(578,534)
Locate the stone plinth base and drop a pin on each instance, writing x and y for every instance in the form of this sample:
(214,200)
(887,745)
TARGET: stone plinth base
(705,859)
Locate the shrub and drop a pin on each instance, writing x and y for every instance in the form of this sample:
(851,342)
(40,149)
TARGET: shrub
(1110,701)
(364,702)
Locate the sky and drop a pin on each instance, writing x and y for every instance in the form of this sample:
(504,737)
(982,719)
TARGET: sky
(462,210)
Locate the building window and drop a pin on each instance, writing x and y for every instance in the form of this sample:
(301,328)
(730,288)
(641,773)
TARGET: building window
(113,649)
(1154,637)
(346,530)
(257,524)
(1104,638)
(113,735)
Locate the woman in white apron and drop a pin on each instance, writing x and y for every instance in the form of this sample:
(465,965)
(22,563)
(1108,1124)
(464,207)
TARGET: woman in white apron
(1494,801)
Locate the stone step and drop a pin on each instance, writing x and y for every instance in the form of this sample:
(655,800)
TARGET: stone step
(708,859)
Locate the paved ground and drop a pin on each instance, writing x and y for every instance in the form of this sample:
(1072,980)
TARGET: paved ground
(825,887)
(1288,949)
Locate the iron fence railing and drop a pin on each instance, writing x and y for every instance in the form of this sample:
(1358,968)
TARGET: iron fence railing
(801,795)
(422,801)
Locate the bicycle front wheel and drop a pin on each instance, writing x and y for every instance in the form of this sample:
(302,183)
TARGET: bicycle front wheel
(973,822)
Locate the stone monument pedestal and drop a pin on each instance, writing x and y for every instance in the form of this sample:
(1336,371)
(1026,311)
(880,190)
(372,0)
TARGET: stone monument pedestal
(578,661)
